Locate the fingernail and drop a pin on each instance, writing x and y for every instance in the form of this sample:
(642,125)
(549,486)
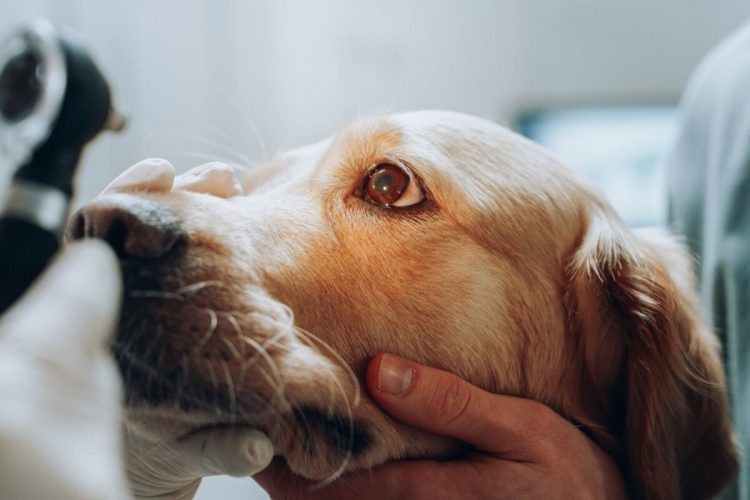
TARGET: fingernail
(394,375)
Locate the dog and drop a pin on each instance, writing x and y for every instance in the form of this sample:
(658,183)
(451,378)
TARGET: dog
(438,236)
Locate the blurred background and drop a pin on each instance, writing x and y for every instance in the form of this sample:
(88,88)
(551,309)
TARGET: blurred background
(597,82)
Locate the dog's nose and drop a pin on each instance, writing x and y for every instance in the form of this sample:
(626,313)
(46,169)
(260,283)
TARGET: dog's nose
(134,227)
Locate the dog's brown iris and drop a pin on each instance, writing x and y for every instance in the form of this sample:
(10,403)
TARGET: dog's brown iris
(386,184)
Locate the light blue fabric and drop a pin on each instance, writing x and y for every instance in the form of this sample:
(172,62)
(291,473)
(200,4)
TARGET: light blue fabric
(709,187)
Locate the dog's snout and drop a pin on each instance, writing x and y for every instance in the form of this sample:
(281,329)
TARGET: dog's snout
(134,227)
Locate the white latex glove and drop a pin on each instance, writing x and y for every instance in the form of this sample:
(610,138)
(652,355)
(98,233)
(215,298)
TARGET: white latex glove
(156,175)
(59,388)
(174,470)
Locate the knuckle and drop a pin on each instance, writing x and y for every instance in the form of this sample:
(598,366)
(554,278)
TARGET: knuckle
(541,427)
(542,415)
(450,399)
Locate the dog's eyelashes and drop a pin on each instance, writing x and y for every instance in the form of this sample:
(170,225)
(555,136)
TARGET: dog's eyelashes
(390,186)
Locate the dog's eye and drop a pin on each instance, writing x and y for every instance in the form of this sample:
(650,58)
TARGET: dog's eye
(390,186)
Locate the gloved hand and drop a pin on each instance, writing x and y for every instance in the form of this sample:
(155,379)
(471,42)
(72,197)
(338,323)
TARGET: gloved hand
(174,471)
(59,388)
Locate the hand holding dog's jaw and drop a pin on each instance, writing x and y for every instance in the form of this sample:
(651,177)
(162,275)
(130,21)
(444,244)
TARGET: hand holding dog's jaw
(523,448)
(156,175)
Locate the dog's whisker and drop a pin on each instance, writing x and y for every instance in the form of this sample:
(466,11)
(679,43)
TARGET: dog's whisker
(307,336)
(301,335)
(393,101)
(338,357)
(279,385)
(271,363)
(333,381)
(332,398)
(238,330)
(272,341)
(209,333)
(234,143)
(236,105)
(207,157)
(156,294)
(238,156)
(215,385)
(332,377)
(195,287)
(278,392)
(230,389)
(348,456)
(232,349)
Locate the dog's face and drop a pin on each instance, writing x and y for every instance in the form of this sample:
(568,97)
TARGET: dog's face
(445,239)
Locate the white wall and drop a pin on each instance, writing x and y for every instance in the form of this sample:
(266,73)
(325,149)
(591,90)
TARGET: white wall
(295,70)
(298,69)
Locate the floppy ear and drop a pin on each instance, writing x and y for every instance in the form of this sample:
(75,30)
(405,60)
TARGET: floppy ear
(652,374)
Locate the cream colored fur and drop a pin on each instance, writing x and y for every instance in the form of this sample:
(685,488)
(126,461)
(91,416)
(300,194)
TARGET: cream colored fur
(514,274)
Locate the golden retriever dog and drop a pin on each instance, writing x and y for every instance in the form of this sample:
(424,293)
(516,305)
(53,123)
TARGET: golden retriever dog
(437,236)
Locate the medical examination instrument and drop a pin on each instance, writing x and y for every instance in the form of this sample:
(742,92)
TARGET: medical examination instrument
(53,101)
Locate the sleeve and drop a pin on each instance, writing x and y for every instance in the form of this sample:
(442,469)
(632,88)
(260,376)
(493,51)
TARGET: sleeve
(709,192)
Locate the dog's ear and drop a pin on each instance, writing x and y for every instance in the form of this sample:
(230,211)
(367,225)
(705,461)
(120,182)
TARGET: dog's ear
(651,373)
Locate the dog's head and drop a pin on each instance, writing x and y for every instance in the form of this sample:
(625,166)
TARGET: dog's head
(437,236)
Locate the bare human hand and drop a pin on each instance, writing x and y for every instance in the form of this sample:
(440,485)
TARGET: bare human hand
(522,449)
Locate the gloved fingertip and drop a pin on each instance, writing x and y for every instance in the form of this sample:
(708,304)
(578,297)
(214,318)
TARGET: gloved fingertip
(151,175)
(260,452)
(236,189)
(233,452)
(215,178)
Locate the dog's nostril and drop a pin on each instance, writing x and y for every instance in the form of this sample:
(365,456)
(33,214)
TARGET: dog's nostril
(117,237)
(76,227)
(133,227)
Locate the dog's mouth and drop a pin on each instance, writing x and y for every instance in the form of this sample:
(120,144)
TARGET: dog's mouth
(193,358)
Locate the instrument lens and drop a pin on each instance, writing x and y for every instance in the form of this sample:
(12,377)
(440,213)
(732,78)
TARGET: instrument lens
(21,84)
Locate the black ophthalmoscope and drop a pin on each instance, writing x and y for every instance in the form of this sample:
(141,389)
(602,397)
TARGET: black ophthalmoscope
(53,101)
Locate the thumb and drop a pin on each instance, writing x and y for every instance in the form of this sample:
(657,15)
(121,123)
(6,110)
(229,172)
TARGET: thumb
(73,305)
(442,403)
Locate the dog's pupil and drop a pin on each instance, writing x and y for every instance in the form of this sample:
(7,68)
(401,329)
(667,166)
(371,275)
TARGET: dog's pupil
(387,184)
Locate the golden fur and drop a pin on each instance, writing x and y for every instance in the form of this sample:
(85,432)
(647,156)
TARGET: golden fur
(514,273)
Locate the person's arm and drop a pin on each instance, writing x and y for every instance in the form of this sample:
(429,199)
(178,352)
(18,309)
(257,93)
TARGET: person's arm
(708,173)
(60,427)
(59,416)
(522,449)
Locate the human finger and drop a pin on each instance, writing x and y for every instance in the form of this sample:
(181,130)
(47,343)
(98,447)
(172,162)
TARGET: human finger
(154,175)
(442,403)
(216,178)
